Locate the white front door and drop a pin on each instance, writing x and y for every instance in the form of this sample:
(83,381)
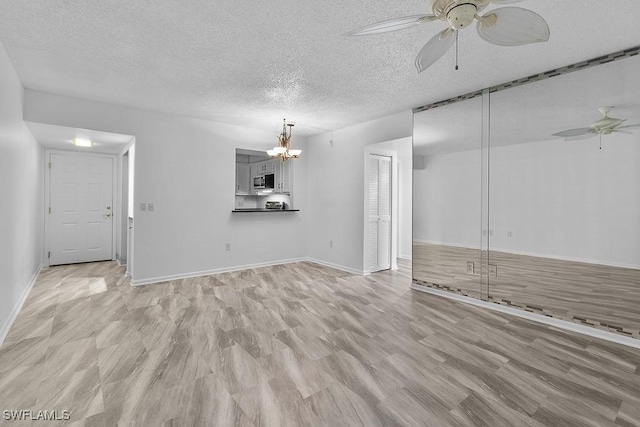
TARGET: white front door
(379,236)
(81,208)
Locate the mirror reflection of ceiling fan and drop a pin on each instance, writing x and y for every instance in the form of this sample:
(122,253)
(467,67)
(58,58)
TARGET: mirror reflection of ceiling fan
(505,26)
(605,126)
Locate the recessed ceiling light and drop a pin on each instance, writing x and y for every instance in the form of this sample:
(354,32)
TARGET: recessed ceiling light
(82,142)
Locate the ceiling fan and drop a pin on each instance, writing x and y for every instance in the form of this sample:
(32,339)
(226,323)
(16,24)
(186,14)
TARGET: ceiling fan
(505,26)
(605,126)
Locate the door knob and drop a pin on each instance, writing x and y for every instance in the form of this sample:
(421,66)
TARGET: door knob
(108,207)
(108,215)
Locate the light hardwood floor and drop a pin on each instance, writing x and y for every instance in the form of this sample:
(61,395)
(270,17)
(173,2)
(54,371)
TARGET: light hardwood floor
(601,296)
(299,344)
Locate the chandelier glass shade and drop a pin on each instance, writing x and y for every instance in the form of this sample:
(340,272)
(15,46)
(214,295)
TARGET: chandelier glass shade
(283,149)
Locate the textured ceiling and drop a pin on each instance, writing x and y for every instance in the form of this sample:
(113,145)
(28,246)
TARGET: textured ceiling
(252,63)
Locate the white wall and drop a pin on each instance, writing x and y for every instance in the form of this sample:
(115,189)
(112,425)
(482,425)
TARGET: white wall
(446,200)
(561,200)
(404,148)
(21,210)
(568,200)
(336,188)
(186,167)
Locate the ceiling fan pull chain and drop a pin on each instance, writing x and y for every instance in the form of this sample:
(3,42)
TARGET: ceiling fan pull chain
(457,49)
(601,141)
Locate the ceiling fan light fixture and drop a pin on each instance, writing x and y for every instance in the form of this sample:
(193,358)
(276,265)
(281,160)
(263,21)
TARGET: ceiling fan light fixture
(506,26)
(605,126)
(461,15)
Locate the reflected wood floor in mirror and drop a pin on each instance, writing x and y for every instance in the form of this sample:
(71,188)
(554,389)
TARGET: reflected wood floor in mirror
(446,266)
(601,296)
(299,344)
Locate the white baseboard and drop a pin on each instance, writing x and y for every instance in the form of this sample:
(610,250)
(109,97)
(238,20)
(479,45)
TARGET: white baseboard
(534,254)
(453,245)
(167,278)
(338,267)
(407,257)
(572,259)
(558,323)
(213,271)
(4,331)
(121,264)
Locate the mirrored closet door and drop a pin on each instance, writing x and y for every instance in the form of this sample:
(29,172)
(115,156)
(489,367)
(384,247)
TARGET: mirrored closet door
(545,174)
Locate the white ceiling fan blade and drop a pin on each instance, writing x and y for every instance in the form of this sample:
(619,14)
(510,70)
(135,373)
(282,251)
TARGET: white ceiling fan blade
(513,26)
(622,131)
(485,3)
(574,132)
(637,125)
(389,25)
(583,136)
(434,49)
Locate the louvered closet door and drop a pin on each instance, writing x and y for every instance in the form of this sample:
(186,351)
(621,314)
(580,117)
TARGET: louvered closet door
(379,241)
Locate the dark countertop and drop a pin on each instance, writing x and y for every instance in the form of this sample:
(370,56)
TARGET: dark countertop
(264,210)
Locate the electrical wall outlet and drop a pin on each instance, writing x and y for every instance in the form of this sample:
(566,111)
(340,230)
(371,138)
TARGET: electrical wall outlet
(150,207)
(143,207)
(493,270)
(227,246)
(470,267)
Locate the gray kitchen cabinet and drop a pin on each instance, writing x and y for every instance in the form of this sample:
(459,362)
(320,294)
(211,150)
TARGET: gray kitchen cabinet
(283,177)
(268,166)
(243,179)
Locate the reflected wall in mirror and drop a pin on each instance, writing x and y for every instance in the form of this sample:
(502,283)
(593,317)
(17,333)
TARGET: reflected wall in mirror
(446,197)
(261,179)
(563,216)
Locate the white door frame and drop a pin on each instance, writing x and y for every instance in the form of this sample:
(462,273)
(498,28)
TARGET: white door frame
(371,149)
(47,198)
(130,232)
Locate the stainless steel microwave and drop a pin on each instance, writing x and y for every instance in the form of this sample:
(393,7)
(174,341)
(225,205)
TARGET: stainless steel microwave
(264,182)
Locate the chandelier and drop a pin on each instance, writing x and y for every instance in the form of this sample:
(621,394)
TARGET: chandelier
(283,149)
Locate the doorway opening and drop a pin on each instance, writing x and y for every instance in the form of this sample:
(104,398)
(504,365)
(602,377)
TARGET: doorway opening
(386,241)
(87,193)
